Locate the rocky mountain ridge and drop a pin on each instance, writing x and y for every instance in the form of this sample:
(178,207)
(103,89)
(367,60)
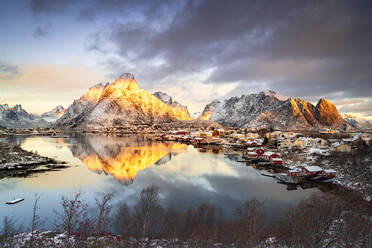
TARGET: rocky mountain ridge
(123,103)
(120,103)
(270,110)
(177,107)
(16,118)
(357,122)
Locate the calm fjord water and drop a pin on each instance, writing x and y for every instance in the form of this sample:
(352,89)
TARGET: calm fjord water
(125,165)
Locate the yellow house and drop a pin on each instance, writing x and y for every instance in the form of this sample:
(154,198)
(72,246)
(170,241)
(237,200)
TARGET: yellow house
(299,143)
(284,143)
(253,135)
(341,147)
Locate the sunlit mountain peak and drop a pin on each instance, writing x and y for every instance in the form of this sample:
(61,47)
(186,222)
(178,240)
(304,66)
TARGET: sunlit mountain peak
(94,93)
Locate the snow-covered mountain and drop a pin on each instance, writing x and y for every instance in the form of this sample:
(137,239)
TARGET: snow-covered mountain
(177,107)
(119,103)
(16,117)
(80,108)
(54,114)
(357,122)
(208,110)
(270,110)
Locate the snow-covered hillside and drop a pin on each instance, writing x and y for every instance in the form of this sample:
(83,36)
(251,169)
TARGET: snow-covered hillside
(270,110)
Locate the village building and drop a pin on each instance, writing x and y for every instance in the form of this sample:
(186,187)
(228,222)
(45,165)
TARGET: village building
(284,144)
(270,155)
(218,132)
(327,131)
(299,144)
(328,173)
(311,170)
(273,135)
(320,143)
(341,147)
(253,135)
(276,161)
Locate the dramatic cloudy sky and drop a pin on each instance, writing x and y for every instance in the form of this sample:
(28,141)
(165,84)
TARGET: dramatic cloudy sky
(196,51)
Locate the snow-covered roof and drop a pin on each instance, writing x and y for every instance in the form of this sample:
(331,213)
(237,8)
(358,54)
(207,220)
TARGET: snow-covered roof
(277,159)
(336,144)
(355,137)
(268,153)
(329,171)
(313,168)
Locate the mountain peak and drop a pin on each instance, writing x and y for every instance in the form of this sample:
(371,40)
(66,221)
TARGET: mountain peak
(94,93)
(260,111)
(272,93)
(327,114)
(164,97)
(127,76)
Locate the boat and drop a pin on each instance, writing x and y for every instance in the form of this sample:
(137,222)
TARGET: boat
(14,201)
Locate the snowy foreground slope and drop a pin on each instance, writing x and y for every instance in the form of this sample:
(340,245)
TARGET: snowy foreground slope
(270,110)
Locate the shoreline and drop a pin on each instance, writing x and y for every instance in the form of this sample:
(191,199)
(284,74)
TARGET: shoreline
(17,162)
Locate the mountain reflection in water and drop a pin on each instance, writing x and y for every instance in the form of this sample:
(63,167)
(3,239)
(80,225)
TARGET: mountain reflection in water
(123,158)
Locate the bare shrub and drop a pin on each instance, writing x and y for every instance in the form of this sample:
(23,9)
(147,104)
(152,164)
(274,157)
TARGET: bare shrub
(104,211)
(9,229)
(36,222)
(337,219)
(73,217)
(171,227)
(250,223)
(123,221)
(148,212)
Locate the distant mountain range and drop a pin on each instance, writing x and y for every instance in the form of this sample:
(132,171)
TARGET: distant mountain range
(270,110)
(52,115)
(123,103)
(16,117)
(357,122)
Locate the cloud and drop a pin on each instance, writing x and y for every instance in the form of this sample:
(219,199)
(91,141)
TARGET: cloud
(302,48)
(8,71)
(41,87)
(54,77)
(49,6)
(356,105)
